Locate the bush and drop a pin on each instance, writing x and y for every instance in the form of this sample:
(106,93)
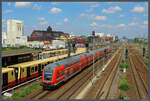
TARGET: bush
(123,61)
(121,96)
(123,65)
(124,85)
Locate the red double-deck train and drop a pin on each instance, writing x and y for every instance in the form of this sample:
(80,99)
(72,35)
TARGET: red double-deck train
(60,71)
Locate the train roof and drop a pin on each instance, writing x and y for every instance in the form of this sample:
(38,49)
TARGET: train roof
(18,52)
(27,64)
(52,51)
(66,61)
(4,70)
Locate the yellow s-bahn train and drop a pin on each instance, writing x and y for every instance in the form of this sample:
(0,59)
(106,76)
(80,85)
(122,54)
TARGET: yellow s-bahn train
(47,54)
(15,74)
(18,73)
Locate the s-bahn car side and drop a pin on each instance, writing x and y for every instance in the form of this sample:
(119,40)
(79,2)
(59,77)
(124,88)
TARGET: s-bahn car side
(15,74)
(18,73)
(60,71)
(47,54)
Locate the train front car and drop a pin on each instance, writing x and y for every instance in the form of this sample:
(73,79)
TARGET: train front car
(47,76)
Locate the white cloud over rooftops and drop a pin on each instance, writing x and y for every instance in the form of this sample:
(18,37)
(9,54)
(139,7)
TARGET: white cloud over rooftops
(22,4)
(112,9)
(138,9)
(55,10)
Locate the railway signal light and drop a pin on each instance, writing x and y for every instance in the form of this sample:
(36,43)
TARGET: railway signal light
(73,45)
(87,46)
(105,53)
(126,54)
(143,52)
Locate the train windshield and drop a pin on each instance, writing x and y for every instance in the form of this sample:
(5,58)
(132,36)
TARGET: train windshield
(48,72)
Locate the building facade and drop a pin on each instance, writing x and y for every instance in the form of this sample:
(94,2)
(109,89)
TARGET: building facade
(48,35)
(15,32)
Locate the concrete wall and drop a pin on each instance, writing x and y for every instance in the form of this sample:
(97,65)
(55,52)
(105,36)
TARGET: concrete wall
(14,30)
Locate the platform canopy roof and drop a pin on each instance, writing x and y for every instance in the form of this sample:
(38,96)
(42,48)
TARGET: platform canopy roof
(18,52)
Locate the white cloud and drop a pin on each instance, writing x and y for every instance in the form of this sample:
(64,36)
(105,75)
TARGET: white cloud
(99,18)
(121,25)
(93,24)
(89,10)
(57,3)
(41,18)
(145,15)
(36,7)
(92,7)
(66,20)
(8,11)
(121,15)
(138,9)
(132,24)
(22,4)
(43,23)
(82,15)
(112,9)
(55,10)
(58,23)
(95,6)
(9,3)
(93,17)
(145,22)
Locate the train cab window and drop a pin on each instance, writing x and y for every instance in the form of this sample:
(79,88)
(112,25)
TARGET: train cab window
(12,73)
(23,70)
(36,68)
(32,69)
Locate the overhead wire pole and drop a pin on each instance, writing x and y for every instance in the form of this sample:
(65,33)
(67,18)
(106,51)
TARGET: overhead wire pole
(93,34)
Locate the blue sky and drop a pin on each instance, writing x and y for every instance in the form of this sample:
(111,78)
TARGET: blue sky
(128,19)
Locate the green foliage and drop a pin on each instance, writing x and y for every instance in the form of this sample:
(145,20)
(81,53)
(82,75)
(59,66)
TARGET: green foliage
(124,85)
(12,48)
(123,65)
(123,61)
(121,96)
(25,91)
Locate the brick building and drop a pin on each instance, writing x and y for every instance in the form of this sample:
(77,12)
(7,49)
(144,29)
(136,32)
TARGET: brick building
(48,35)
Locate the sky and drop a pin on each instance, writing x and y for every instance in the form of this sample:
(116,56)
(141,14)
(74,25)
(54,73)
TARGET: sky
(128,19)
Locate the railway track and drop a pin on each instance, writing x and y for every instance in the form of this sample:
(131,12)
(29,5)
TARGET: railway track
(68,89)
(140,75)
(21,85)
(105,89)
(140,67)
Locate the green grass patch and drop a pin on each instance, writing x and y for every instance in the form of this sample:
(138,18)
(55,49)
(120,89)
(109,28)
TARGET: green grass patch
(15,48)
(25,91)
(123,76)
(124,85)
